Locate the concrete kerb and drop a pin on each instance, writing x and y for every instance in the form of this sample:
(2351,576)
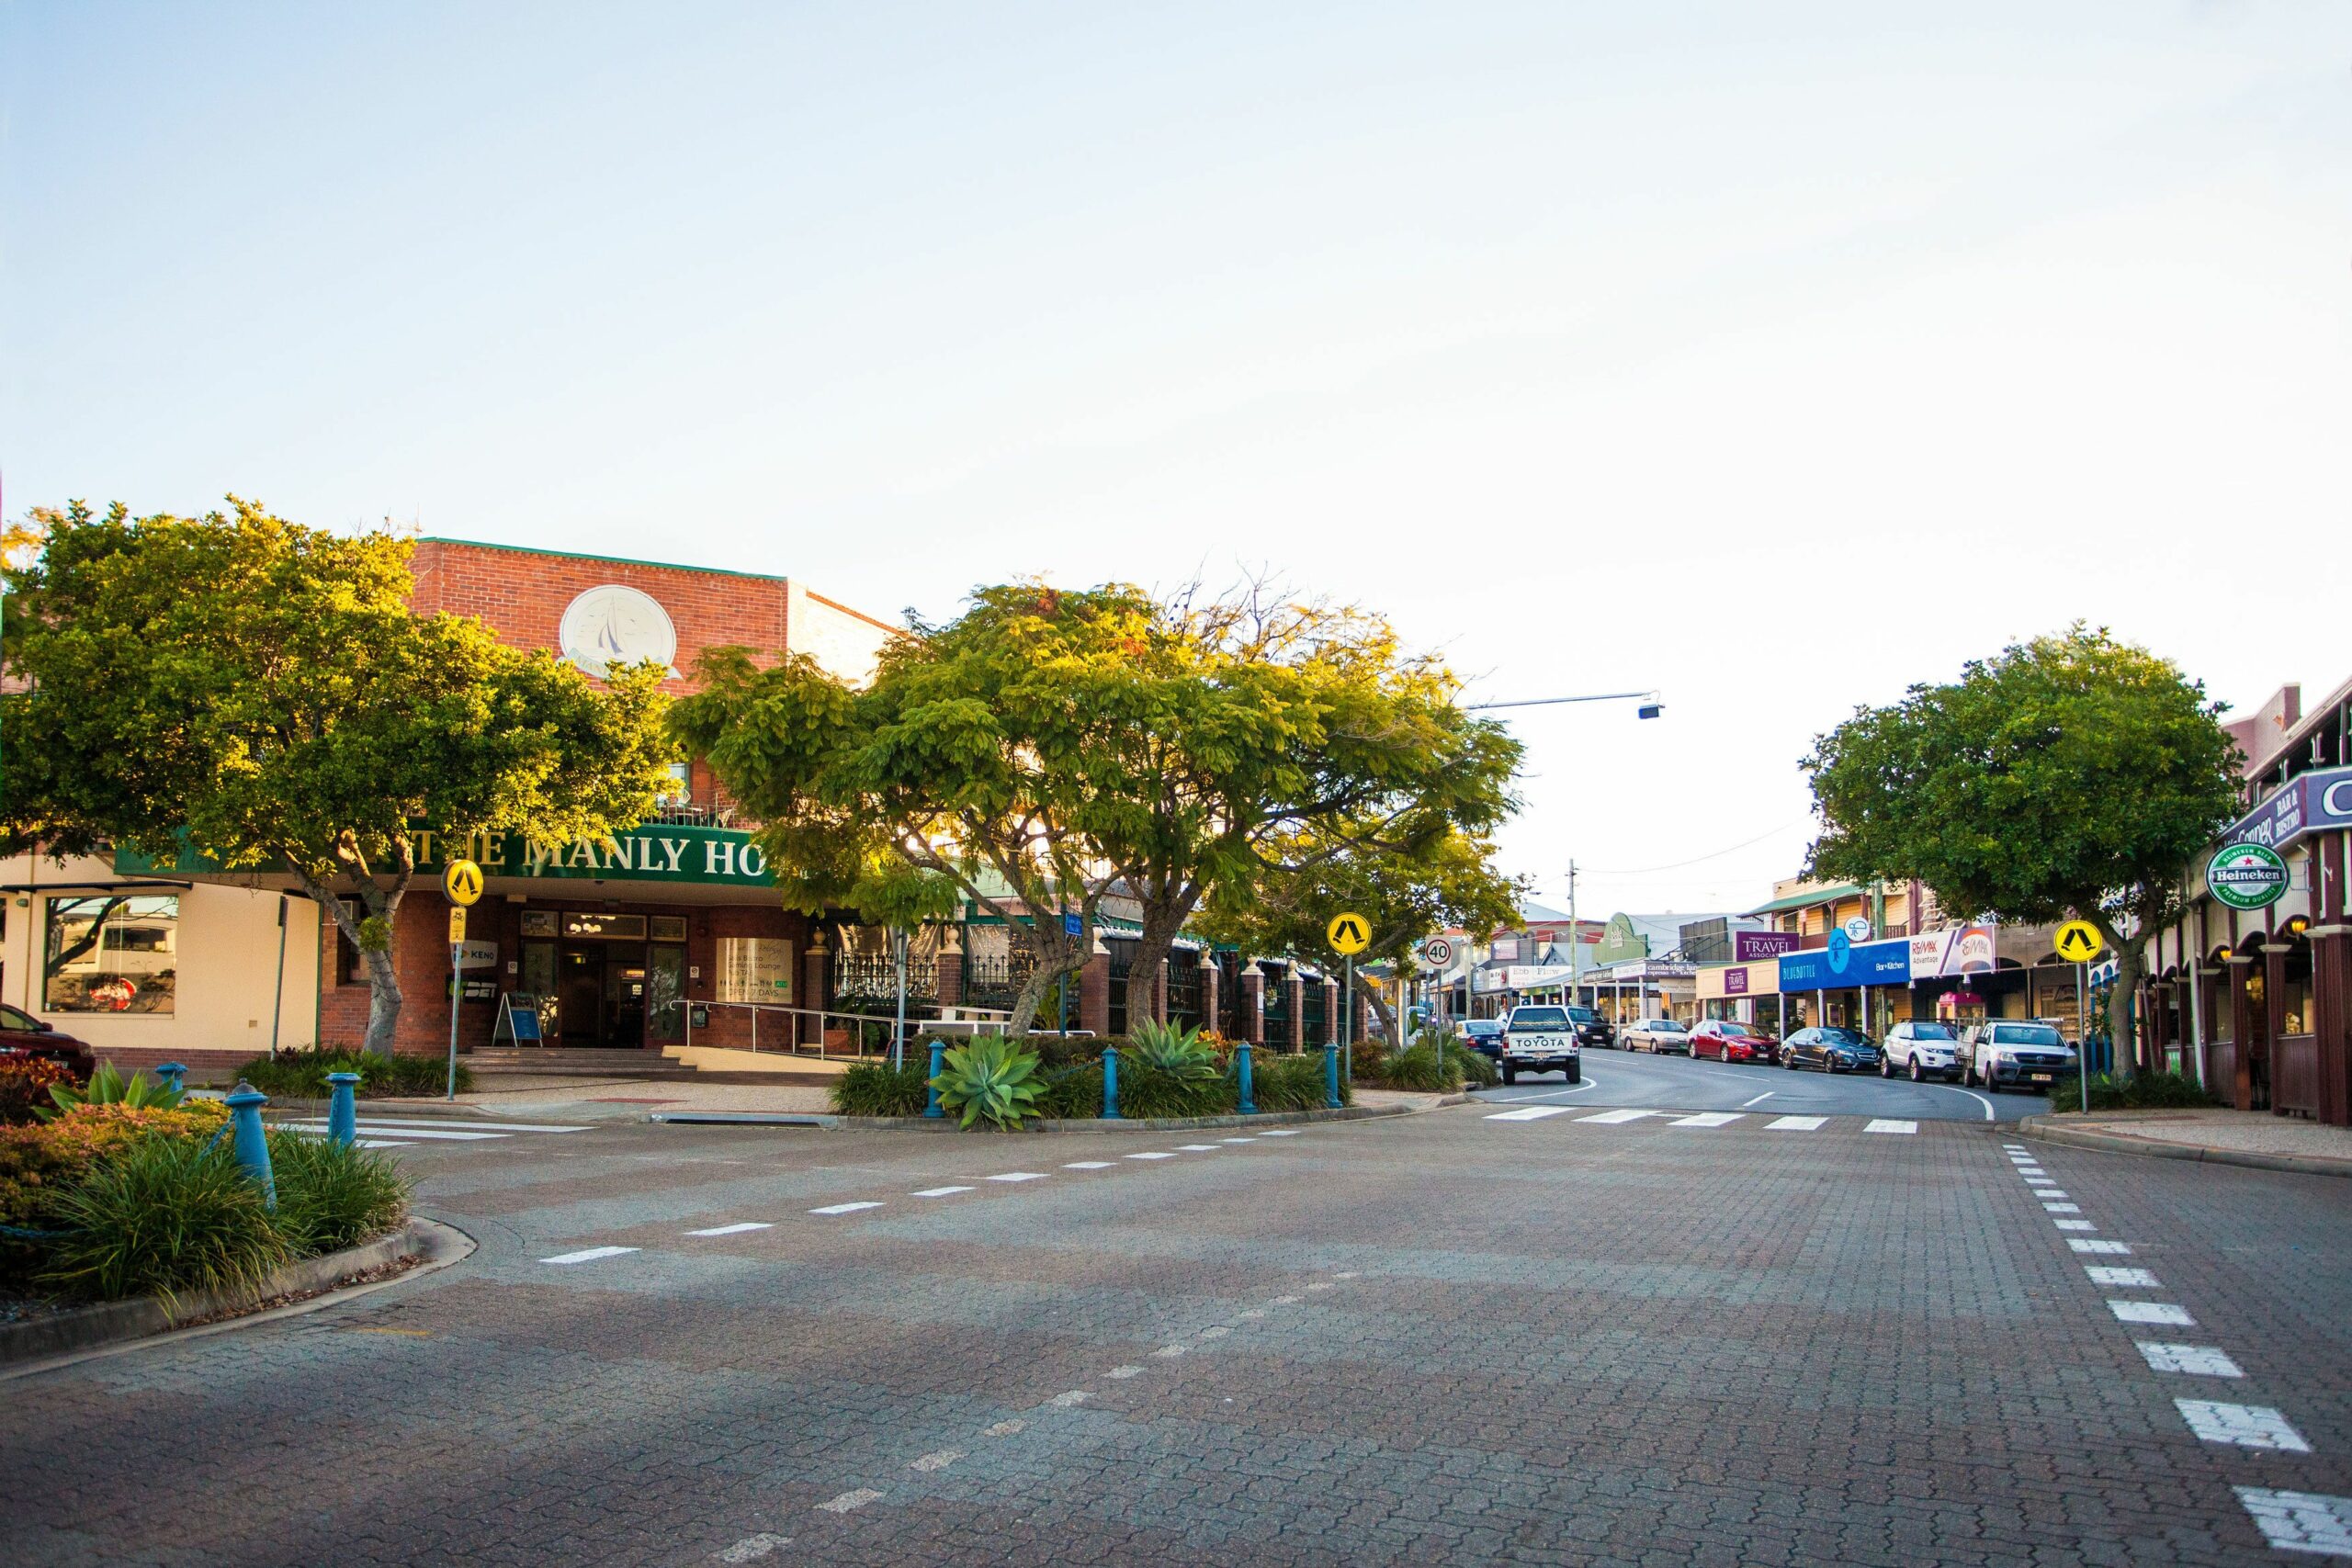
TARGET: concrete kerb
(827,1121)
(39,1344)
(2046,1128)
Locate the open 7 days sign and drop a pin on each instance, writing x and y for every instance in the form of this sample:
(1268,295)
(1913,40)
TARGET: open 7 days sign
(2246,876)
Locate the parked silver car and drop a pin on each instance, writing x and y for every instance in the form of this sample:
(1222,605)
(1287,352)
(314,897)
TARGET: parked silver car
(2014,1055)
(1922,1049)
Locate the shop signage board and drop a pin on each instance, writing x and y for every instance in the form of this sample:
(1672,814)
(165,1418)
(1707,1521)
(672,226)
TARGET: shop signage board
(1621,942)
(1735,982)
(657,852)
(2246,875)
(1845,963)
(2304,804)
(1858,928)
(1748,946)
(1956,950)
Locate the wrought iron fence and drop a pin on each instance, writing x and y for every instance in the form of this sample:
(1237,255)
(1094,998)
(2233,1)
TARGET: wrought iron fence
(1123,963)
(862,977)
(1184,990)
(1232,1020)
(1317,1015)
(1277,1006)
(993,981)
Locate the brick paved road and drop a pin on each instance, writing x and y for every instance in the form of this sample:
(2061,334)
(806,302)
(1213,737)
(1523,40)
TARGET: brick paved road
(1440,1338)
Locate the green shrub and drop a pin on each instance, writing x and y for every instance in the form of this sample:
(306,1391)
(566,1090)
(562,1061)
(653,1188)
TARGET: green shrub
(303,1075)
(876,1088)
(1418,1068)
(41,1162)
(1072,1051)
(1289,1083)
(2143,1091)
(163,1216)
(991,1080)
(1477,1072)
(107,1087)
(332,1195)
(1073,1092)
(1180,1054)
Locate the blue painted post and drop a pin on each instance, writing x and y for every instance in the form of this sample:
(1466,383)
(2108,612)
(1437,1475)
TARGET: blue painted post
(171,1075)
(343,1108)
(1110,1083)
(1331,1075)
(1241,1072)
(932,1107)
(252,1149)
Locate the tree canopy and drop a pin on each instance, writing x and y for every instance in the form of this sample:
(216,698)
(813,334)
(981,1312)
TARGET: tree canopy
(2071,774)
(249,691)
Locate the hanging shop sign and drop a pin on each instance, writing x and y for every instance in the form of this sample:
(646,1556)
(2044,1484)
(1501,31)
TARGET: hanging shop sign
(1956,950)
(2246,875)
(1845,963)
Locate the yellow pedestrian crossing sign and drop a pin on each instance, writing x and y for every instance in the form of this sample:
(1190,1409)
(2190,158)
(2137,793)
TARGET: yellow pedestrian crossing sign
(462,882)
(1349,934)
(2079,941)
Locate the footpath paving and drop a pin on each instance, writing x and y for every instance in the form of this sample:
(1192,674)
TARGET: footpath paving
(1443,1338)
(2254,1138)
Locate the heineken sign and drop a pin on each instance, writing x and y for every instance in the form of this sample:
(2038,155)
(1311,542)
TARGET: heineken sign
(2246,876)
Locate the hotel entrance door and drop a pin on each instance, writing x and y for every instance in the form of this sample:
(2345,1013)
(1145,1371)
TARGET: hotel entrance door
(603,994)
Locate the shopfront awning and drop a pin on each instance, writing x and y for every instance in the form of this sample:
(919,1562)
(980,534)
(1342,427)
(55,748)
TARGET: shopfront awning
(1804,900)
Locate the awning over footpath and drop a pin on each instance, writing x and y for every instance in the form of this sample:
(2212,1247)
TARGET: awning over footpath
(1805,900)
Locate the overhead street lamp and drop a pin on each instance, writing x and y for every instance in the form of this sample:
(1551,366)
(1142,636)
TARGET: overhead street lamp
(1651,704)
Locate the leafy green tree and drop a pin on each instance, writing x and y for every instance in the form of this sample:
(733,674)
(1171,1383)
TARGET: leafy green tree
(1440,880)
(244,690)
(2071,774)
(989,760)
(1285,733)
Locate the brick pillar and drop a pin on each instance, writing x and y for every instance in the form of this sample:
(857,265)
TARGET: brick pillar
(1333,1030)
(2331,941)
(816,992)
(1094,995)
(951,978)
(1253,1004)
(1159,993)
(1297,1000)
(1211,976)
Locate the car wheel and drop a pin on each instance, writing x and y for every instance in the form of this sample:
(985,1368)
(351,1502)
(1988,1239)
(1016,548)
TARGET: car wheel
(1915,1074)
(1511,1074)
(1885,1065)
(1574,1073)
(1789,1063)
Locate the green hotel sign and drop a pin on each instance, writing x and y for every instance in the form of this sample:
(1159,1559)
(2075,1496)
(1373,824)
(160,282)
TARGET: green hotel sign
(725,856)
(2246,876)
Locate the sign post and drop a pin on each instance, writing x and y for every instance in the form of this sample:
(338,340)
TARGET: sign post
(2080,941)
(462,880)
(1351,933)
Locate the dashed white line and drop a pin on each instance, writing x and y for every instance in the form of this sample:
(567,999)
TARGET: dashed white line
(2121,1278)
(738,1228)
(1004,1428)
(1251,1314)
(2048,1192)
(849,1502)
(1758,1099)
(752,1548)
(1528,1113)
(1348,1274)
(2075,1224)
(1153,1154)
(1614,1117)
(1319,1284)
(1123,1373)
(1280,1133)
(1285,1301)
(2152,1312)
(2062,1208)
(943,1192)
(2198,1360)
(1017,1175)
(1709,1119)
(1170,1352)
(1796,1123)
(1088,1165)
(588,1255)
(1074,1397)
(2111,1248)
(1198,1148)
(1247,1138)
(1891,1124)
(939,1460)
(2300,1521)
(1218,1332)
(2241,1425)
(846,1208)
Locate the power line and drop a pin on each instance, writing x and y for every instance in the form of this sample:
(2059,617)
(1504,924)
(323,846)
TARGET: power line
(1678,865)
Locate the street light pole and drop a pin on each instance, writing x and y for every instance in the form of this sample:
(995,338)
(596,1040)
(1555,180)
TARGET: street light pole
(1651,704)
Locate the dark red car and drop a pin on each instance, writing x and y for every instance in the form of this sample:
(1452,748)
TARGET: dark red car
(21,1034)
(1728,1039)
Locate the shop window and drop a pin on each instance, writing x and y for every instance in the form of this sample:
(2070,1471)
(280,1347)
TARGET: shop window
(678,789)
(754,969)
(117,952)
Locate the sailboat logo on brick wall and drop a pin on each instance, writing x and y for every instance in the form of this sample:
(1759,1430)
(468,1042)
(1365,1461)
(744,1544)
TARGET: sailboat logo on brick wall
(618,625)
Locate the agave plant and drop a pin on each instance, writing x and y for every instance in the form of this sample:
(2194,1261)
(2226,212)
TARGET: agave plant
(107,1088)
(991,1080)
(1182,1054)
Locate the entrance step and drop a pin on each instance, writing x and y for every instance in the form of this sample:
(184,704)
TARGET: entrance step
(701,1063)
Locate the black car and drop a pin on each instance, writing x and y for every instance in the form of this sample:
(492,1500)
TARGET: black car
(21,1035)
(1830,1048)
(1484,1035)
(1592,1028)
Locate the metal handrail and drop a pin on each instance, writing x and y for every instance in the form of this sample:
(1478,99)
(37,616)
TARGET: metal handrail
(798,1048)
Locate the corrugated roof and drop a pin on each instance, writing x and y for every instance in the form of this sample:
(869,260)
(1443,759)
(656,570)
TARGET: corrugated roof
(1805,900)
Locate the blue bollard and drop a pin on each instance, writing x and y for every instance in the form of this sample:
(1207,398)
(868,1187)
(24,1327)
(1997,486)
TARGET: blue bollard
(252,1149)
(1331,1075)
(1110,1083)
(343,1108)
(171,1075)
(1241,1073)
(932,1107)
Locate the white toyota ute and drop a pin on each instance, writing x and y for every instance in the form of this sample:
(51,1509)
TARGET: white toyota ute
(1538,1038)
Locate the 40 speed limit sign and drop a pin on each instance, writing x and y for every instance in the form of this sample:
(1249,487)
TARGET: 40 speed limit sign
(1435,953)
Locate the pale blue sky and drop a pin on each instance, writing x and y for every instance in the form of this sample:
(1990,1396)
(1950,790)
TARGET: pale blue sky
(1772,355)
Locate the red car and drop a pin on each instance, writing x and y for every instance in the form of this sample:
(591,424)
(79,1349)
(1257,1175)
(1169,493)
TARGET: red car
(1728,1039)
(21,1034)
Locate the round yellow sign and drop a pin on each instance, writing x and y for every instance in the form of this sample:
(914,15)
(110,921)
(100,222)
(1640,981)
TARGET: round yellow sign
(1349,934)
(462,882)
(2078,942)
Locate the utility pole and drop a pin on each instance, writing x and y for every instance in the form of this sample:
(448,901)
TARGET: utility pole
(1575,936)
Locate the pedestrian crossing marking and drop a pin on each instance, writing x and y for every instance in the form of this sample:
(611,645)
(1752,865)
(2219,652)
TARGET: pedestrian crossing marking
(2194,1361)
(738,1228)
(1890,1124)
(588,1255)
(844,1208)
(1529,1113)
(1708,1119)
(1796,1123)
(1614,1117)
(1701,1119)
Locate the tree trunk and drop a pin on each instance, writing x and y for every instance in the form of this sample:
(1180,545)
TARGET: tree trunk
(1391,1024)
(1057,955)
(383,1003)
(1164,914)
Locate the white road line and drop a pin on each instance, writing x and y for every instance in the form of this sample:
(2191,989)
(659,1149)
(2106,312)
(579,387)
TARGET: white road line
(1123,1373)
(403,1123)
(1890,1124)
(2075,1224)
(2152,1312)
(1218,1332)
(1348,1274)
(1319,1284)
(1796,1123)
(2113,1249)
(846,1208)
(2198,1360)
(1088,1165)
(1017,1175)
(2121,1278)
(1757,1100)
(2048,1192)
(384,1144)
(2031,1171)
(738,1228)
(1200,1148)
(1249,1138)
(2062,1208)
(588,1255)
(1548,1094)
(1004,1428)
(941,1191)
(1156,1154)
(1170,1352)
(2243,1425)
(431,1135)
(1285,1301)
(849,1502)
(2300,1521)
(1280,1133)
(1528,1113)
(1613,1118)
(752,1548)
(1075,1396)
(939,1460)
(1708,1119)
(1971,1094)
(1250,1313)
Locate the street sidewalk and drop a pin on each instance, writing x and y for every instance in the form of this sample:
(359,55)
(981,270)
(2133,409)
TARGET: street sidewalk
(2252,1138)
